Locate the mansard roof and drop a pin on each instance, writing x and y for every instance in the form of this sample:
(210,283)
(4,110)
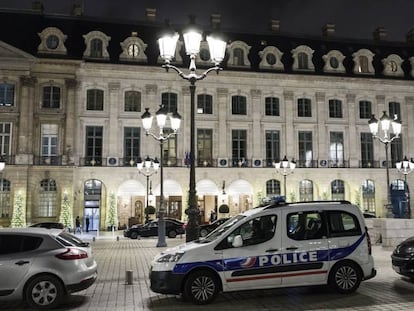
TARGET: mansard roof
(21,30)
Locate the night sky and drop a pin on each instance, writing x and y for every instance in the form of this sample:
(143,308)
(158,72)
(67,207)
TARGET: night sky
(352,18)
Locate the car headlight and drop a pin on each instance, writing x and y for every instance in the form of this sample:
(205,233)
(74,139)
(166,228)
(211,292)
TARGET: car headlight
(170,257)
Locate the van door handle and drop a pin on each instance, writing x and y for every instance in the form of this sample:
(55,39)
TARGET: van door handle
(292,248)
(272,250)
(21,262)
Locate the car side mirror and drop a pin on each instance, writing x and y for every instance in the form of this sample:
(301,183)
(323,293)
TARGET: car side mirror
(238,241)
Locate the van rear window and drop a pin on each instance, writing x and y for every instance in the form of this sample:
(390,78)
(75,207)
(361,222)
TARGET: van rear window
(341,223)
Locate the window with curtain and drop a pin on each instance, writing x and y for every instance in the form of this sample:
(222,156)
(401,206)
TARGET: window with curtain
(51,97)
(132,101)
(204,104)
(272,106)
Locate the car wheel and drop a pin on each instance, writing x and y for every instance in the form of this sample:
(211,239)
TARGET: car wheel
(201,287)
(134,235)
(172,234)
(345,277)
(44,292)
(203,232)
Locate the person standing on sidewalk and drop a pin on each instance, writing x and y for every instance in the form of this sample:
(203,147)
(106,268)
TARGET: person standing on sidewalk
(78,226)
(87,223)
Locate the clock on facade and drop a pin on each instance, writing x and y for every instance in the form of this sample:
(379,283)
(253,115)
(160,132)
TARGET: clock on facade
(133,50)
(52,42)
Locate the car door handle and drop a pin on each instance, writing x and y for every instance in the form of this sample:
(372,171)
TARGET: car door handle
(272,250)
(292,248)
(22,262)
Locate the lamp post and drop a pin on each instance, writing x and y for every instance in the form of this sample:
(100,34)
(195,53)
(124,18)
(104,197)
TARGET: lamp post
(175,121)
(386,139)
(406,167)
(285,168)
(192,39)
(148,168)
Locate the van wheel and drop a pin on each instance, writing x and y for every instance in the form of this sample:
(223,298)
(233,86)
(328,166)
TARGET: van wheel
(172,234)
(201,287)
(345,277)
(44,292)
(134,235)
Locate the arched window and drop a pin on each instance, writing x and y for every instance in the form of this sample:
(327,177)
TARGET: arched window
(272,187)
(338,190)
(368,195)
(306,190)
(48,198)
(302,61)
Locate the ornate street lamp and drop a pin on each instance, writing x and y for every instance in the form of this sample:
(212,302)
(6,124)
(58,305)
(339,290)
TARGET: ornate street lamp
(148,168)
(2,166)
(406,167)
(175,121)
(192,39)
(285,168)
(386,122)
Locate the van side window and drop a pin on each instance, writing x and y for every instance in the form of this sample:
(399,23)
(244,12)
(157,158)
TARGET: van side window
(343,224)
(254,231)
(305,226)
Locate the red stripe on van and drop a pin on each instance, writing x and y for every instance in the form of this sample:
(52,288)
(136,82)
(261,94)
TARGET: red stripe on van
(274,276)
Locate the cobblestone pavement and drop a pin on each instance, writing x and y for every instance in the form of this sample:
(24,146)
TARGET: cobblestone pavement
(387,291)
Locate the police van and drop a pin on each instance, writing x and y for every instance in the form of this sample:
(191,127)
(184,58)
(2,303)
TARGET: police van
(276,245)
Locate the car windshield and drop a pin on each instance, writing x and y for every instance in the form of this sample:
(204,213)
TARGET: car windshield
(213,235)
(68,239)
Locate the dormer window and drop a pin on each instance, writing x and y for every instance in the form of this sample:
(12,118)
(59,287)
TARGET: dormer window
(238,54)
(133,49)
(96,45)
(52,41)
(302,58)
(334,62)
(271,58)
(363,62)
(392,66)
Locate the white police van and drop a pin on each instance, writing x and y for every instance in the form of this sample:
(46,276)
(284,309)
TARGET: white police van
(277,245)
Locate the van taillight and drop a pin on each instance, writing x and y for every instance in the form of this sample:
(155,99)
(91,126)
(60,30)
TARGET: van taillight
(368,241)
(72,254)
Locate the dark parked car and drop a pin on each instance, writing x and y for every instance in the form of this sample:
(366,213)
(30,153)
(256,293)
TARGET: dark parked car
(49,225)
(173,227)
(403,258)
(207,228)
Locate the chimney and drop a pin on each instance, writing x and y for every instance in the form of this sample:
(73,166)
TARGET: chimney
(151,14)
(77,10)
(380,34)
(409,37)
(328,30)
(37,6)
(274,25)
(215,21)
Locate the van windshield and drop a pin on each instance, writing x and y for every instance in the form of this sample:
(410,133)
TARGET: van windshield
(213,235)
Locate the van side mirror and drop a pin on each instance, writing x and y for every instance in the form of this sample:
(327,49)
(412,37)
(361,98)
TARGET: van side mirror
(238,241)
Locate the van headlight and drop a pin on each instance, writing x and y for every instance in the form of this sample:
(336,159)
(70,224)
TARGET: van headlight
(170,257)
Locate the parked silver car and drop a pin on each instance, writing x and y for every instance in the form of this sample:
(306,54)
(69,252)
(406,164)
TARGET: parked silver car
(41,265)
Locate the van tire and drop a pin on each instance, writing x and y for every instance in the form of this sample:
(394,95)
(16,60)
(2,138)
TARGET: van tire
(345,277)
(203,232)
(201,287)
